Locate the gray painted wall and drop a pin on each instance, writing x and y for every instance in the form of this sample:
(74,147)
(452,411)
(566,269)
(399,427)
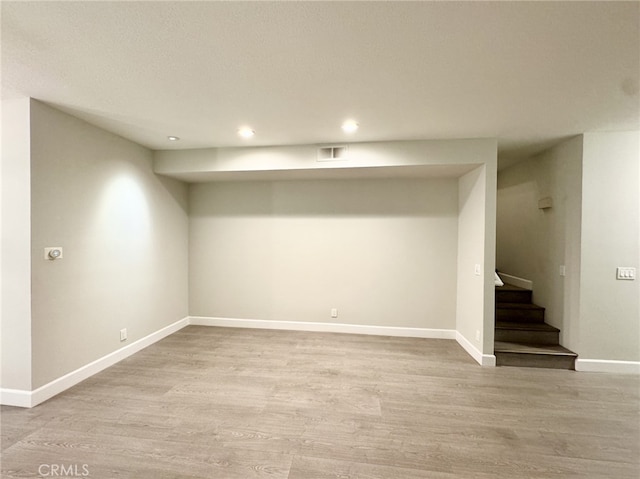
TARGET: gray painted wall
(609,308)
(383,252)
(476,246)
(124,233)
(15,194)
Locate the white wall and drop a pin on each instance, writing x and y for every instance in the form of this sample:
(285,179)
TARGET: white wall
(124,233)
(383,252)
(15,325)
(610,309)
(476,246)
(533,243)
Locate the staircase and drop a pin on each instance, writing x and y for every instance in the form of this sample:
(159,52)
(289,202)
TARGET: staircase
(522,338)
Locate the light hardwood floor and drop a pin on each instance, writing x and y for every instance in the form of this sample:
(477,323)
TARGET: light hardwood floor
(222,403)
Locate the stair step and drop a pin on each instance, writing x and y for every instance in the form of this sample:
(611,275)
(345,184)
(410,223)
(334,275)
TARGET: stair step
(526,326)
(512,294)
(527,333)
(519,312)
(534,355)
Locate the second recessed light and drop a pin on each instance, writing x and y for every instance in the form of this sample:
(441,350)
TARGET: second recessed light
(349,126)
(246,132)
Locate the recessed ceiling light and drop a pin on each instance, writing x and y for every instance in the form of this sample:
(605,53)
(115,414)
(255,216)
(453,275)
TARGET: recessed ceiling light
(173,138)
(246,132)
(349,126)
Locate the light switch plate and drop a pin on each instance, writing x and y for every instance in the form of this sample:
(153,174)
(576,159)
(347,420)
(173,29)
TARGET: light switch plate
(625,273)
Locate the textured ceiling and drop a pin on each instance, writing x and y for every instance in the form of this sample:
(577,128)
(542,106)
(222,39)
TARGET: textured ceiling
(527,73)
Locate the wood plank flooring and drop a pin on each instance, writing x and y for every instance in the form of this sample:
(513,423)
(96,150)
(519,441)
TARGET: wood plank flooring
(222,403)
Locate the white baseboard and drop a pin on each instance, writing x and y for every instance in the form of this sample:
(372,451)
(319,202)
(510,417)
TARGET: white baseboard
(12,397)
(15,397)
(324,327)
(481,359)
(515,281)
(607,366)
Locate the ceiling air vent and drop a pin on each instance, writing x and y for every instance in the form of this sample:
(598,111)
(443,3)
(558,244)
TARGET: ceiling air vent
(332,153)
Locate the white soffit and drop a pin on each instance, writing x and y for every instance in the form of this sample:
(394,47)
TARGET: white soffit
(342,173)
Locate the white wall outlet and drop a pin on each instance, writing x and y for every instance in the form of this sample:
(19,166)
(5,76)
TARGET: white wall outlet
(334,312)
(626,272)
(477,335)
(478,270)
(123,334)
(563,270)
(53,252)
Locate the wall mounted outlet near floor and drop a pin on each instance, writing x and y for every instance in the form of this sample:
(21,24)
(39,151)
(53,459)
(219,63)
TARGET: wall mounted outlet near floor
(334,312)
(123,334)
